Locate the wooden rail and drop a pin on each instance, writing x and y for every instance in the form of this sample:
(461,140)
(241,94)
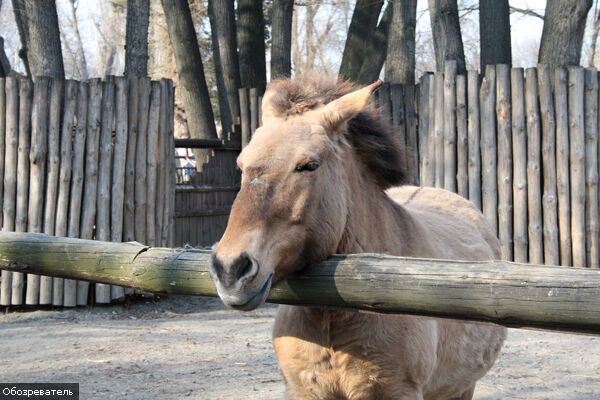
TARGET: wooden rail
(510,294)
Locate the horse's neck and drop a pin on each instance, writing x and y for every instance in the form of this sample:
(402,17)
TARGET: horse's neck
(375,222)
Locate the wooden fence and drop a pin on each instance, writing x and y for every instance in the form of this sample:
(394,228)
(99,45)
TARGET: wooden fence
(520,144)
(84,159)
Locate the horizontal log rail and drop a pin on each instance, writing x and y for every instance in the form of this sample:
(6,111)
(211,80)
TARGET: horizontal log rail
(510,294)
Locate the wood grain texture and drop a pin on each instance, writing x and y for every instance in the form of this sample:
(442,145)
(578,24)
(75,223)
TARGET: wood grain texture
(9,205)
(562,165)
(505,155)
(64,181)
(577,160)
(462,144)
(554,298)
(439,129)
(473,124)
(25,99)
(519,149)
(90,194)
(592,224)
(489,183)
(450,126)
(549,196)
(534,178)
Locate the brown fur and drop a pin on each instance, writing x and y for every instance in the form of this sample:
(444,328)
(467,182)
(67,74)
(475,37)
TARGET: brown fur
(286,217)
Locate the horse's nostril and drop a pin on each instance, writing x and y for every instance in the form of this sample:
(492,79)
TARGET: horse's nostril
(244,268)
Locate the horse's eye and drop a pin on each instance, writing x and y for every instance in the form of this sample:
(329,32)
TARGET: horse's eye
(310,166)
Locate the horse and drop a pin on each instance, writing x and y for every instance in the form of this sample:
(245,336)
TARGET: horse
(323,175)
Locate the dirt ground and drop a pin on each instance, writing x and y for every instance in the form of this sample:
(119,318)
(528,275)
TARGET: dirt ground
(193,347)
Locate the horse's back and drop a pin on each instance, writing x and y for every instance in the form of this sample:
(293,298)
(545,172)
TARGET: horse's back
(453,227)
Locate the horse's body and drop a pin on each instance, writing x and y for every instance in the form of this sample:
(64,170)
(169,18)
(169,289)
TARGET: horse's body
(313,184)
(344,355)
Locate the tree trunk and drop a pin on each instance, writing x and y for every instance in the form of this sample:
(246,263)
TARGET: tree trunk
(494,32)
(192,83)
(21,22)
(251,42)
(136,47)
(400,60)
(447,39)
(562,36)
(4,63)
(594,40)
(363,24)
(281,38)
(223,32)
(43,47)
(376,49)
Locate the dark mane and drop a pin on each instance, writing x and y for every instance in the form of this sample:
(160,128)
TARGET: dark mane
(373,141)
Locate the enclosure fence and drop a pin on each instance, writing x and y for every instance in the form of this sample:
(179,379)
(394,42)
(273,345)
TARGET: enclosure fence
(92,160)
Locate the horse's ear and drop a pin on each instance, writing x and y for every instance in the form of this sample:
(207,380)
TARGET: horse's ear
(268,110)
(347,107)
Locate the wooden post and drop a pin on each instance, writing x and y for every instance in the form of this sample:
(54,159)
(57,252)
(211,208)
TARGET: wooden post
(551,249)
(427,173)
(505,184)
(132,133)
(562,164)
(90,194)
(374,282)
(432,132)
(489,188)
(153,128)
(399,121)
(474,148)
(411,152)
(64,183)
(592,228)
(25,95)
(385,103)
(104,175)
(172,182)
(577,160)
(462,143)
(254,106)
(450,126)
(534,179)
(163,124)
(118,172)
(169,172)
(244,116)
(10,176)
(141,159)
(119,160)
(37,170)
(75,202)
(519,149)
(439,130)
(51,196)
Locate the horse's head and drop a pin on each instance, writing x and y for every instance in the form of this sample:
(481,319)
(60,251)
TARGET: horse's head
(293,202)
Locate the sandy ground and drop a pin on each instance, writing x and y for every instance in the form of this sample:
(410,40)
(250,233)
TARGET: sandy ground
(193,347)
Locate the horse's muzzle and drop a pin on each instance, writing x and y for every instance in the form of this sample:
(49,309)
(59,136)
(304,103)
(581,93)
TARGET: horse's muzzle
(236,282)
